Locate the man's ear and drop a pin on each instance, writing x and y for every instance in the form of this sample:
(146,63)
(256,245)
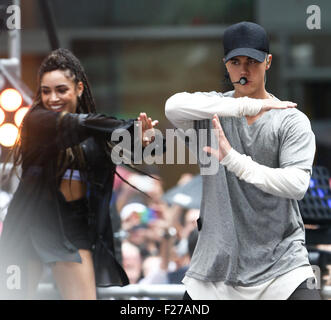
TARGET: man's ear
(268,60)
(226,70)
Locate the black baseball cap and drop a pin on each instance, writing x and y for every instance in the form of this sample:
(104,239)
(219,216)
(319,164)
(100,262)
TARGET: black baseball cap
(245,39)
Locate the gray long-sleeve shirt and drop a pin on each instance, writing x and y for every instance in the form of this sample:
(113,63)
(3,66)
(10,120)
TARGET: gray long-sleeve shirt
(249,236)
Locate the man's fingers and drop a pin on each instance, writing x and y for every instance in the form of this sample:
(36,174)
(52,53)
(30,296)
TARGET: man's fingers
(283,105)
(211,151)
(291,104)
(276,104)
(207,149)
(217,125)
(286,104)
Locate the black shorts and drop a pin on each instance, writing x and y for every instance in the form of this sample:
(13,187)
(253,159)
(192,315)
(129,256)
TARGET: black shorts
(304,292)
(75,223)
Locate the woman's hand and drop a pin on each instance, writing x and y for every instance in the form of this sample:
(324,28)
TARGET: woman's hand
(224,146)
(147,127)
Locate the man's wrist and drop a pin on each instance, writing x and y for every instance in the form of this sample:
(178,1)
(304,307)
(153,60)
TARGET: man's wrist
(251,106)
(227,159)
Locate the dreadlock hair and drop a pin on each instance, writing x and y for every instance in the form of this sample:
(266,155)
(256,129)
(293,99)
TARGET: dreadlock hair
(64,60)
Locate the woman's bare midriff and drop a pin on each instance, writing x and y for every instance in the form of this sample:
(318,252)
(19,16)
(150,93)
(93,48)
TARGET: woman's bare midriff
(73,190)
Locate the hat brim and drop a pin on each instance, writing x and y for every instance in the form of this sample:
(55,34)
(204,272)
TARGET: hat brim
(247,52)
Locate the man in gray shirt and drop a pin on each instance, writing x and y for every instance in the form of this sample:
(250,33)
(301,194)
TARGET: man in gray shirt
(251,235)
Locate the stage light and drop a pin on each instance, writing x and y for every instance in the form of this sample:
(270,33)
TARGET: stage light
(10,100)
(8,134)
(15,100)
(321,193)
(2,116)
(12,112)
(19,115)
(312,183)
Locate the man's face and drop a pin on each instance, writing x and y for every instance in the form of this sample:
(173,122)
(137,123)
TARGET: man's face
(253,70)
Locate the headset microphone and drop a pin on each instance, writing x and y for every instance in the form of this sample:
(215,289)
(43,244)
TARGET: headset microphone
(242,81)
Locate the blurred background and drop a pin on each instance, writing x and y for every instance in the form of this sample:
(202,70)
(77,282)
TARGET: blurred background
(138,53)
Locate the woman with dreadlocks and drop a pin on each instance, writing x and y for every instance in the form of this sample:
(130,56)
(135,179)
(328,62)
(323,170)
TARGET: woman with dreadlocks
(59,214)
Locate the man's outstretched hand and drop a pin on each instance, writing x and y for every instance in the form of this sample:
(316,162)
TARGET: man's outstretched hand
(269,104)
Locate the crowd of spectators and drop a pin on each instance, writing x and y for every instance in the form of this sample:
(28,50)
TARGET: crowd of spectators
(157,238)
